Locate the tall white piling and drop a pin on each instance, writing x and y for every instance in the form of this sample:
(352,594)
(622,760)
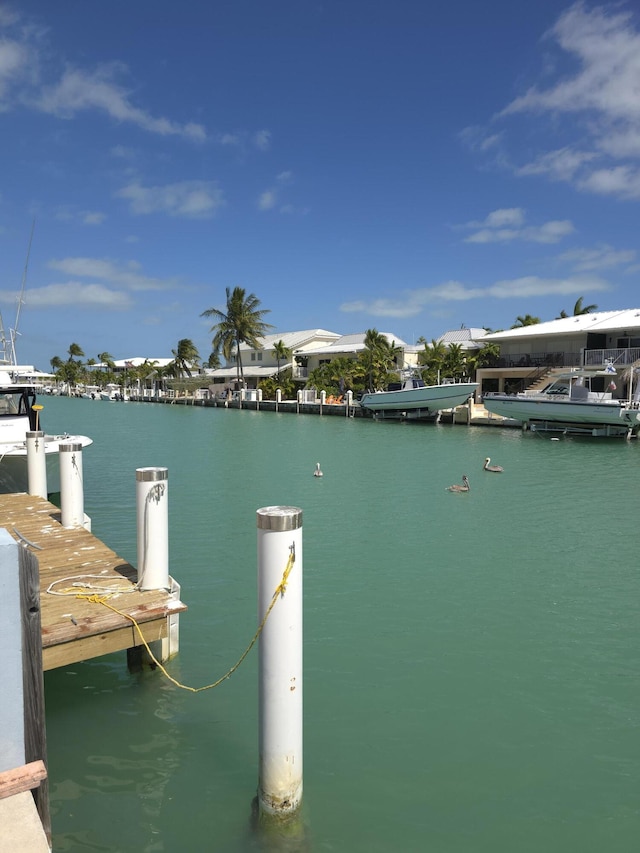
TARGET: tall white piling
(152,503)
(278,397)
(71,485)
(349,402)
(280,660)
(36,464)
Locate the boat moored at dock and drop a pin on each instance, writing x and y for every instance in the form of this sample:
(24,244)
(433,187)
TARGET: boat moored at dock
(412,398)
(576,400)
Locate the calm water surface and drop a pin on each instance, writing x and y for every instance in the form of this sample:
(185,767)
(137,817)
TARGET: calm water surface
(471,660)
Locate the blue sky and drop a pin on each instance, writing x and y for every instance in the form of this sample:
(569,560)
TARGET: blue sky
(405,165)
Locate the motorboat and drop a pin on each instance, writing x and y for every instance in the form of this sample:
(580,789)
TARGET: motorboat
(580,400)
(412,398)
(20,414)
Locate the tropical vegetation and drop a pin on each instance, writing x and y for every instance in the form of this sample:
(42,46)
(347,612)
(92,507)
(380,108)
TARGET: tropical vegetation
(242,323)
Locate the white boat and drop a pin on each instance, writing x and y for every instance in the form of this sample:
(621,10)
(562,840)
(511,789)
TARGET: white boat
(19,414)
(576,400)
(411,398)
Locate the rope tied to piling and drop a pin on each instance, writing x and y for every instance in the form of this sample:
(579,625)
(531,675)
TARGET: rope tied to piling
(94,598)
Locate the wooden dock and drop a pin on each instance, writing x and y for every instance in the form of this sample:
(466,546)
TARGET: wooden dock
(75,628)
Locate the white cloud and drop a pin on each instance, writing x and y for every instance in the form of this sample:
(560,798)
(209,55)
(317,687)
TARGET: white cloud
(191,199)
(560,165)
(410,303)
(603,45)
(108,271)
(93,217)
(77,295)
(262,139)
(602,257)
(267,200)
(621,181)
(493,230)
(79,90)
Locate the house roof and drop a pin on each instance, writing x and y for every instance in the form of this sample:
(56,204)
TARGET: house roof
(598,321)
(292,340)
(137,361)
(250,372)
(352,343)
(467,338)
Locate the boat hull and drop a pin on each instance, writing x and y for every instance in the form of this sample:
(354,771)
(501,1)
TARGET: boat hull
(429,399)
(14,476)
(613,413)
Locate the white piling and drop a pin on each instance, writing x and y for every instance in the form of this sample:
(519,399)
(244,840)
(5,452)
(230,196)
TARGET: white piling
(280,661)
(323,399)
(71,485)
(278,397)
(152,502)
(349,401)
(36,464)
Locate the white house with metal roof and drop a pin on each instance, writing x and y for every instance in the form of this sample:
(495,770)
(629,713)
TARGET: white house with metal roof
(350,346)
(260,363)
(586,340)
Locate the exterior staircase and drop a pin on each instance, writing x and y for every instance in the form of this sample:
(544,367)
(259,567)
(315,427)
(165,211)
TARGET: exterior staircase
(545,378)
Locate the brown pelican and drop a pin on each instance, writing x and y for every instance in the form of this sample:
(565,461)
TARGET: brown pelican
(317,472)
(465,487)
(488,467)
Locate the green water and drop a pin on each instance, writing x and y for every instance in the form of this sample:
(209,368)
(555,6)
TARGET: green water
(471,660)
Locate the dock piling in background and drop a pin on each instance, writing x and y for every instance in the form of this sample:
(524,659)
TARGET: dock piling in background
(36,464)
(280,661)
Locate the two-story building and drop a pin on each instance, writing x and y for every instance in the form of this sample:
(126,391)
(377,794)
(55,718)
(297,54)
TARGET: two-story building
(586,340)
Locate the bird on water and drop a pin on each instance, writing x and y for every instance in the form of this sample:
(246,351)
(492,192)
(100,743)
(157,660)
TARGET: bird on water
(317,472)
(489,467)
(465,487)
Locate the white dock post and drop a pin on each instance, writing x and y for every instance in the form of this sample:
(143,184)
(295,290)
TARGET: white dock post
(36,464)
(280,661)
(349,398)
(152,502)
(278,397)
(323,399)
(298,401)
(71,485)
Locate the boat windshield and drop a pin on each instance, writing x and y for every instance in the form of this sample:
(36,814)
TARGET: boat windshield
(10,404)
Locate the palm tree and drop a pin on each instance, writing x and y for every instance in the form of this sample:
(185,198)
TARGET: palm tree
(75,351)
(213,362)
(185,356)
(241,324)
(107,359)
(579,308)
(56,363)
(281,352)
(527,320)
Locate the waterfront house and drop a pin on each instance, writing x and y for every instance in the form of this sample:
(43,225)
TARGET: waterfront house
(528,354)
(261,363)
(350,346)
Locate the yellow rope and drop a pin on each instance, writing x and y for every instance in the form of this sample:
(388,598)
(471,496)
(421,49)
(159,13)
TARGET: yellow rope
(280,590)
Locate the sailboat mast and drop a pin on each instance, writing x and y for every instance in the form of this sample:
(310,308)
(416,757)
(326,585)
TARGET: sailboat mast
(13,333)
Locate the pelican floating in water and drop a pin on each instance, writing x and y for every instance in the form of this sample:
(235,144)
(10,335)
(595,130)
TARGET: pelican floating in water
(465,487)
(488,467)
(317,472)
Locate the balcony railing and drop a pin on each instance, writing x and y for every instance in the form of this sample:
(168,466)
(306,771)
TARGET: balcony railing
(620,357)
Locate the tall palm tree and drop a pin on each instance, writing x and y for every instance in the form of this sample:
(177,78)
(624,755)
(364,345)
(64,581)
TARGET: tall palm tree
(185,356)
(75,351)
(106,359)
(379,357)
(281,352)
(241,324)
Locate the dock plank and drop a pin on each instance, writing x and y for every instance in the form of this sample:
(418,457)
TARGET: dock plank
(74,628)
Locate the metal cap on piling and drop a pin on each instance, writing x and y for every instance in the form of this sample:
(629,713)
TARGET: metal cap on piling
(279,518)
(146,475)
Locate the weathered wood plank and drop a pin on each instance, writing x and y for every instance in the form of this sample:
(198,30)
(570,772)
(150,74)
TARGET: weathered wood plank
(35,732)
(23,778)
